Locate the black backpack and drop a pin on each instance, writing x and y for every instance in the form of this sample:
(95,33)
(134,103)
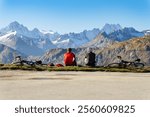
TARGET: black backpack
(91,59)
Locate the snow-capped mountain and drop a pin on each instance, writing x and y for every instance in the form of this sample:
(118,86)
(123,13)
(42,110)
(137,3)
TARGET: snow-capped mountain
(15,26)
(104,39)
(50,34)
(20,43)
(22,30)
(110,28)
(75,40)
(124,34)
(28,42)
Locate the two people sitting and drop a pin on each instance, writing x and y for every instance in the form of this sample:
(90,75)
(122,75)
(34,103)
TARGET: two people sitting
(70,59)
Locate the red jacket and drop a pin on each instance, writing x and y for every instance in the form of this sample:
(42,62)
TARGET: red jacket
(69,59)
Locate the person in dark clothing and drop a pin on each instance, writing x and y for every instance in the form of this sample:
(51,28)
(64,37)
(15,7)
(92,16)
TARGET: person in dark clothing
(90,59)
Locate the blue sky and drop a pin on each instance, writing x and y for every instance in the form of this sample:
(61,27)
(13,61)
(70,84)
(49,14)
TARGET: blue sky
(66,16)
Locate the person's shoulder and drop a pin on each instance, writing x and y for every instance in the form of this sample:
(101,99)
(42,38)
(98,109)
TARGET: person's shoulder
(93,53)
(66,53)
(72,53)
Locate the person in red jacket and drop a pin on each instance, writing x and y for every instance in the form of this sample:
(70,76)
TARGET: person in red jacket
(69,58)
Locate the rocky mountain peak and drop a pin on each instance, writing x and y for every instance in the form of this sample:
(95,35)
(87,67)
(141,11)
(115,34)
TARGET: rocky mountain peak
(109,28)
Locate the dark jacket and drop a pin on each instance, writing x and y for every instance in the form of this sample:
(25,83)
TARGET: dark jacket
(90,59)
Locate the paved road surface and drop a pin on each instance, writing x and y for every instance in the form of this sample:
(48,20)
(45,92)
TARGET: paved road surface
(74,85)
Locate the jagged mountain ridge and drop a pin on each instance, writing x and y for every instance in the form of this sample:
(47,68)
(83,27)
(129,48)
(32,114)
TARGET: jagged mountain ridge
(104,39)
(111,33)
(75,40)
(110,28)
(23,30)
(44,40)
(35,41)
(20,43)
(124,34)
(48,39)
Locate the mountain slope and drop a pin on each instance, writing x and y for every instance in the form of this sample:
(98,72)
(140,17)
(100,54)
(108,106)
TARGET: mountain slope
(99,42)
(28,42)
(124,34)
(129,50)
(15,27)
(56,55)
(20,43)
(8,54)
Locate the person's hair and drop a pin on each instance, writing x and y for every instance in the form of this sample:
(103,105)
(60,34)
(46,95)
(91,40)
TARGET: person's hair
(119,57)
(69,49)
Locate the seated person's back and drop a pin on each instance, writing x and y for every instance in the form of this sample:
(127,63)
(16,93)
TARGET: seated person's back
(90,57)
(69,58)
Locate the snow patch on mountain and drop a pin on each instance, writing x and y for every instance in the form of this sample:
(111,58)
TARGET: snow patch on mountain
(47,32)
(75,40)
(7,35)
(146,32)
(35,39)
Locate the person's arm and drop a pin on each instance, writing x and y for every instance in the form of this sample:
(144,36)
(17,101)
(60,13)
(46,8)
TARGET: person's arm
(94,58)
(74,60)
(74,57)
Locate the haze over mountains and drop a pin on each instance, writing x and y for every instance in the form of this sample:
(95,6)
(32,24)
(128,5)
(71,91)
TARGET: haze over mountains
(19,39)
